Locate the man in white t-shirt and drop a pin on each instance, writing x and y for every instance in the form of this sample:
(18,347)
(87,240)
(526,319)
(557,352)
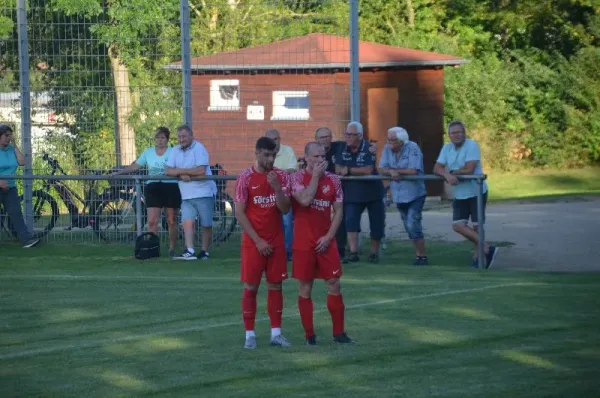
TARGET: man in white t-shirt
(285,160)
(190,159)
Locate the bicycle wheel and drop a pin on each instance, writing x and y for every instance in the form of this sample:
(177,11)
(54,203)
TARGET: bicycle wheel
(115,219)
(45,214)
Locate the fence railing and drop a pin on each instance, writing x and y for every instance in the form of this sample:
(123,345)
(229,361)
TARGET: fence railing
(117,211)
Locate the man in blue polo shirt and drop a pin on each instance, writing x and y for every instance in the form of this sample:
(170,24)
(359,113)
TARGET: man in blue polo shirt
(355,159)
(190,159)
(461,156)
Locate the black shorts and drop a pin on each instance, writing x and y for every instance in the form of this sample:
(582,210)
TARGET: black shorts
(465,209)
(162,195)
(353,212)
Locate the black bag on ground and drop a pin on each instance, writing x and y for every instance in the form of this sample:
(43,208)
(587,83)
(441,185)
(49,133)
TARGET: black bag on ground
(147,245)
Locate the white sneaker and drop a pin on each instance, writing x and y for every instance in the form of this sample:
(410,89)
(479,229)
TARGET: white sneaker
(186,255)
(250,343)
(280,341)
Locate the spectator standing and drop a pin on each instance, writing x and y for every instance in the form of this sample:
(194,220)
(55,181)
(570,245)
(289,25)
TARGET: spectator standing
(190,159)
(11,158)
(461,156)
(400,158)
(355,159)
(159,194)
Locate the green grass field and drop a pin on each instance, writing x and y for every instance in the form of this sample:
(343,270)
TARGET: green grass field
(89,320)
(544,184)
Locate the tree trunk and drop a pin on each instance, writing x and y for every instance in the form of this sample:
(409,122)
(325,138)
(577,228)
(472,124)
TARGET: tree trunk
(411,13)
(125,133)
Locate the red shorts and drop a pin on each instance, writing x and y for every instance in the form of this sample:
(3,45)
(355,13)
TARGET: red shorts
(308,265)
(254,264)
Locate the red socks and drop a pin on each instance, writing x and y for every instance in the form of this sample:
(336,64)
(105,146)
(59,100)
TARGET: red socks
(274,307)
(249,309)
(335,305)
(305,306)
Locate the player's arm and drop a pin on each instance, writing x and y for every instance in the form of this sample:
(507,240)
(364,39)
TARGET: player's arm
(306,195)
(282,190)
(242,219)
(282,200)
(338,214)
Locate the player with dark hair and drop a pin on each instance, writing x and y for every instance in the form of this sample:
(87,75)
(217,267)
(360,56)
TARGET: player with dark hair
(315,253)
(262,195)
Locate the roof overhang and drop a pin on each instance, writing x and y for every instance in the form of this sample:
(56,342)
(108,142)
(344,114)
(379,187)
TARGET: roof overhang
(329,66)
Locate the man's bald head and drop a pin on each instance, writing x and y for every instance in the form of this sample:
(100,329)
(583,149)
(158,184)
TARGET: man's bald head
(312,146)
(274,135)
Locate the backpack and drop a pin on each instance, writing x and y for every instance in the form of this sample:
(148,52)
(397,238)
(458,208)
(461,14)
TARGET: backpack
(147,245)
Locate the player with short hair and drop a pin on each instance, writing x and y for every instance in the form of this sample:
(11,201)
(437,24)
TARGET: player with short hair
(262,195)
(315,254)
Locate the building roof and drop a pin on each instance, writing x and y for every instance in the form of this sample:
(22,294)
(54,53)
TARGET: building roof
(317,51)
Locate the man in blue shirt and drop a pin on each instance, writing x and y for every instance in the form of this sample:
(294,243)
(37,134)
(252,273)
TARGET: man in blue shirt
(461,156)
(324,136)
(400,158)
(355,159)
(10,159)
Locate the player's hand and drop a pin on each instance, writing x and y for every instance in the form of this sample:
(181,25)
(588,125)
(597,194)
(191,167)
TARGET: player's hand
(452,180)
(274,181)
(264,248)
(3,185)
(323,244)
(343,171)
(185,178)
(319,169)
(396,176)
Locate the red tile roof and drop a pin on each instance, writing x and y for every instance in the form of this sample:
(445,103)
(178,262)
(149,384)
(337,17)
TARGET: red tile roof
(317,51)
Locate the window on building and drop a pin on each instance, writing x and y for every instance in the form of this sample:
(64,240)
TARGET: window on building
(290,105)
(224,95)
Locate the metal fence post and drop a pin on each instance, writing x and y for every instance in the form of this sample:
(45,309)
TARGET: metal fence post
(25,110)
(481,233)
(138,207)
(354,63)
(186,61)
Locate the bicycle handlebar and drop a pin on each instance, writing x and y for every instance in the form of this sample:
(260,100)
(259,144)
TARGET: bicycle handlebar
(53,163)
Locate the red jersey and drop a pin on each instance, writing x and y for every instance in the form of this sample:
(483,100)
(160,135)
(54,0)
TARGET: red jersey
(313,222)
(253,189)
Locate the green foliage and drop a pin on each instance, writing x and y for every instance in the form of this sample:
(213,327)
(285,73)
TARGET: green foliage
(530,93)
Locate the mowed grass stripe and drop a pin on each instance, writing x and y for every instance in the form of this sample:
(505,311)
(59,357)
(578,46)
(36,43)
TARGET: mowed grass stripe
(83,345)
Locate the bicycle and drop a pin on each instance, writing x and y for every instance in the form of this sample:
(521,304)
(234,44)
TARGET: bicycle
(45,206)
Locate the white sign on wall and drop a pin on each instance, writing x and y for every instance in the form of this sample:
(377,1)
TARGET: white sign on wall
(255,112)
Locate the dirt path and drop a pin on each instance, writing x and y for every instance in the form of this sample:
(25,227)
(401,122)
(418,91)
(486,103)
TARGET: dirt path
(563,236)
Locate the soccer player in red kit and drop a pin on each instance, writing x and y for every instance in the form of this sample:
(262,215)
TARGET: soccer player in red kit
(262,195)
(315,254)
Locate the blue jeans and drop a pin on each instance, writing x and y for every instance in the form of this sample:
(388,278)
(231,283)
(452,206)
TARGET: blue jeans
(12,206)
(412,214)
(288,231)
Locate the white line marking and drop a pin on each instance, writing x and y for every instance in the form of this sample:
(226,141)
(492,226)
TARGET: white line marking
(119,278)
(98,343)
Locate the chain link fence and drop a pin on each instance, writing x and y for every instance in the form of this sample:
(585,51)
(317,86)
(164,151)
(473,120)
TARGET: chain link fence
(84,85)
